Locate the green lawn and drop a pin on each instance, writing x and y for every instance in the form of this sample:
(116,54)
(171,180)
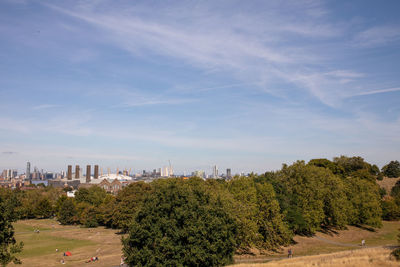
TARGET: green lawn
(19,228)
(44,243)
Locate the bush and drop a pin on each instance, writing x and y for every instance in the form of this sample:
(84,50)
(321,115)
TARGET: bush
(392,170)
(180,225)
(390,210)
(396,254)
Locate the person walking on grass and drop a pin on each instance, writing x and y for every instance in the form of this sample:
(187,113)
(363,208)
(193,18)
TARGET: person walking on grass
(290,253)
(363,243)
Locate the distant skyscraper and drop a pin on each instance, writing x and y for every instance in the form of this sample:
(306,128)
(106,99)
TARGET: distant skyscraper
(28,171)
(77,169)
(69,172)
(199,173)
(164,172)
(96,171)
(228,173)
(215,171)
(88,173)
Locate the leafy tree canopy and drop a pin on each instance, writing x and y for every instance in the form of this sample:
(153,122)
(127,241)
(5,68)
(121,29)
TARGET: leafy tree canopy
(8,245)
(392,170)
(180,225)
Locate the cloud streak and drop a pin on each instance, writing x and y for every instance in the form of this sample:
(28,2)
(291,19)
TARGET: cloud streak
(375,92)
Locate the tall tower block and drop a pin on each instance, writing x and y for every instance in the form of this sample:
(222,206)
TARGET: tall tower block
(88,173)
(28,171)
(69,172)
(77,170)
(96,171)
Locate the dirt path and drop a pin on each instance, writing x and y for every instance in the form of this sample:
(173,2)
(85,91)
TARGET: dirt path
(336,243)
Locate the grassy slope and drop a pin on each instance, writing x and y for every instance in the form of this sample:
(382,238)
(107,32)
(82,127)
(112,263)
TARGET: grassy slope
(84,243)
(340,241)
(40,248)
(367,257)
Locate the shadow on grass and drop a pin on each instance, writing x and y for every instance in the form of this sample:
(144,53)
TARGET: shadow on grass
(329,230)
(364,227)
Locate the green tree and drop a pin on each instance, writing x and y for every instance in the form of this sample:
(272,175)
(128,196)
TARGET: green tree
(365,199)
(396,252)
(375,170)
(325,163)
(351,164)
(392,170)
(93,195)
(273,230)
(127,202)
(89,216)
(180,225)
(8,245)
(44,208)
(310,197)
(390,210)
(67,213)
(245,195)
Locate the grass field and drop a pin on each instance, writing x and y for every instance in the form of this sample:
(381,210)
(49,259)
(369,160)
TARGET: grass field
(83,243)
(322,243)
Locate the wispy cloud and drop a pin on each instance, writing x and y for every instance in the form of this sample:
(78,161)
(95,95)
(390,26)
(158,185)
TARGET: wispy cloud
(217,42)
(378,36)
(374,92)
(9,152)
(45,106)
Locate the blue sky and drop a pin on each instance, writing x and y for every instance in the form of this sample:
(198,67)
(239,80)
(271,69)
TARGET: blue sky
(243,85)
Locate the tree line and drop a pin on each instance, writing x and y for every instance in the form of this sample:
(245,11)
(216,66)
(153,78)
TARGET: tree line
(196,222)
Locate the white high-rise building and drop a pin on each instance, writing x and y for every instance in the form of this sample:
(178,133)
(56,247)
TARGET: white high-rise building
(164,172)
(215,171)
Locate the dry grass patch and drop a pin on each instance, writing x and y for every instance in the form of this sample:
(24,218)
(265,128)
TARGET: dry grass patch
(360,257)
(387,183)
(340,240)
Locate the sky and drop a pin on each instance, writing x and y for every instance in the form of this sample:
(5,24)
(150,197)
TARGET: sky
(246,85)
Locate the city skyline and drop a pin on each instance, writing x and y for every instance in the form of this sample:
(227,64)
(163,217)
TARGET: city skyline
(246,86)
(76,171)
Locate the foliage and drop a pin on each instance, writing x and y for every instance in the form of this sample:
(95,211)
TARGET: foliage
(365,199)
(327,164)
(351,164)
(93,195)
(127,203)
(392,170)
(382,192)
(311,196)
(390,210)
(271,227)
(89,217)
(244,194)
(8,245)
(44,208)
(375,170)
(180,225)
(396,252)
(67,213)
(395,192)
